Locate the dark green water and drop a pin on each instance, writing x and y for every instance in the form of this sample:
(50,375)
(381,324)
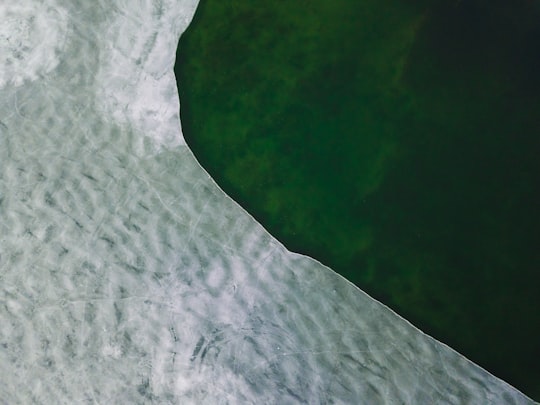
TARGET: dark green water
(396,141)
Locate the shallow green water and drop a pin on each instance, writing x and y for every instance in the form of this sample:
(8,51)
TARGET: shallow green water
(396,141)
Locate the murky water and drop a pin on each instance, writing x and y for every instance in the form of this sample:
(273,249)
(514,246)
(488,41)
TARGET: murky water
(396,141)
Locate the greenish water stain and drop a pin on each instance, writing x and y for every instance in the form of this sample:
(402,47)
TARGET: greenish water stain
(394,140)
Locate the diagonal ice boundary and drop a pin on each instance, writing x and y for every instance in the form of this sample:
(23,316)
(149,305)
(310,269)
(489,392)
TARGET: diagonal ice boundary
(127,276)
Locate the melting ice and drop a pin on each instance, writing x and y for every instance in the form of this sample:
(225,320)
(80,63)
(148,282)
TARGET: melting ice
(128,276)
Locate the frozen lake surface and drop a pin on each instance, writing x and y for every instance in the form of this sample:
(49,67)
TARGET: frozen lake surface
(128,276)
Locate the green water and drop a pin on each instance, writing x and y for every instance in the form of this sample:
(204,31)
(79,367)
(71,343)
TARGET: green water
(396,141)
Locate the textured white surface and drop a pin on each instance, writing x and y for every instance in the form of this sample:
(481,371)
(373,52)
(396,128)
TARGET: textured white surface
(127,276)
(31,37)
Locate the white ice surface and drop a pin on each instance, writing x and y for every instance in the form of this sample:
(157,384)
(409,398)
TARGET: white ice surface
(127,276)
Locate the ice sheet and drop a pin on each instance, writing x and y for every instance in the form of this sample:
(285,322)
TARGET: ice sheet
(128,276)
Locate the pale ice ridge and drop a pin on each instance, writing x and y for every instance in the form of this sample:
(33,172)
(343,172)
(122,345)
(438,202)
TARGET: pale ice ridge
(128,276)
(136,82)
